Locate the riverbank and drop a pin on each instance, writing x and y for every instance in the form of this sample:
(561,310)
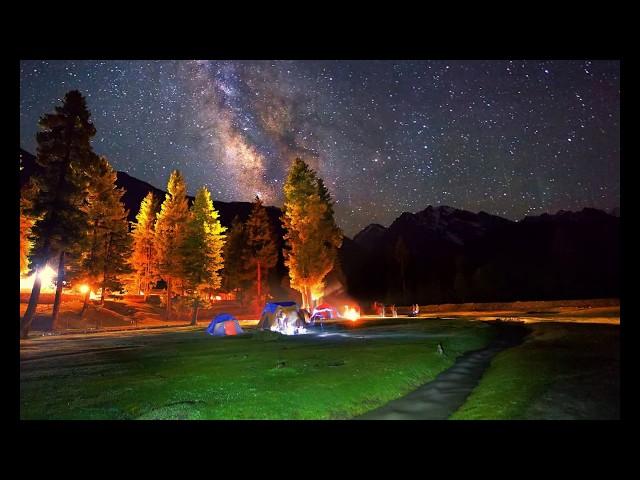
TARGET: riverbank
(561,372)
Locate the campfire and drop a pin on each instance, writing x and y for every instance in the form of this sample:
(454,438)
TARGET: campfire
(350,313)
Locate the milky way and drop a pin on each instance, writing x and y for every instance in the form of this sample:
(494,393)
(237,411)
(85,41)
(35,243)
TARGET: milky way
(512,138)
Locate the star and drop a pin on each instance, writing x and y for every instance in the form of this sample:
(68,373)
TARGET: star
(403,134)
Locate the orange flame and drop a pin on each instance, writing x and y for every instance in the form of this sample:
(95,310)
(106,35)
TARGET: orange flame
(350,313)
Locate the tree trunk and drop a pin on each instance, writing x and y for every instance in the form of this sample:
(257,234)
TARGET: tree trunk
(86,304)
(144,286)
(58,299)
(104,270)
(168,299)
(307,303)
(306,298)
(25,324)
(144,280)
(194,318)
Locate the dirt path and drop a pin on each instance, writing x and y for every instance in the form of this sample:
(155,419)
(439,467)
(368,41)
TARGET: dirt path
(438,399)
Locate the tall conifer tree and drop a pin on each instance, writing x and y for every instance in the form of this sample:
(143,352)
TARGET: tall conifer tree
(144,258)
(201,251)
(261,252)
(65,153)
(117,247)
(104,252)
(312,237)
(170,232)
(237,274)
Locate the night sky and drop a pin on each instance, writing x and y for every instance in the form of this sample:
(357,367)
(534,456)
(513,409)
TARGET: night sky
(512,138)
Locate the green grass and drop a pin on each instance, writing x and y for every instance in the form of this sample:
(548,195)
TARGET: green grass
(189,375)
(564,371)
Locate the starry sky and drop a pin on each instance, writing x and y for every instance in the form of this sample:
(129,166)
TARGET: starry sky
(511,138)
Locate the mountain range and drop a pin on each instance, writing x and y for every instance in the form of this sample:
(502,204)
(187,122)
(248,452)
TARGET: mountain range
(448,255)
(445,255)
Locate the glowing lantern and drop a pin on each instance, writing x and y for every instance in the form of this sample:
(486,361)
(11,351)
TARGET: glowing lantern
(84,289)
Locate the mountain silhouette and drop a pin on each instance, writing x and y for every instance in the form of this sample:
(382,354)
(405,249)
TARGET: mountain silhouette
(447,255)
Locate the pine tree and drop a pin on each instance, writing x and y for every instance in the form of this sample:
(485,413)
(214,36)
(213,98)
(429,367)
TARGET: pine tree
(170,232)
(103,255)
(261,252)
(237,275)
(117,248)
(312,237)
(144,256)
(201,251)
(65,153)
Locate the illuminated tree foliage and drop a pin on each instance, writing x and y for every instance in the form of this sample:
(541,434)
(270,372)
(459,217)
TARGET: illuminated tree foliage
(26,223)
(170,232)
(117,248)
(106,247)
(144,259)
(312,237)
(65,154)
(261,253)
(201,250)
(237,275)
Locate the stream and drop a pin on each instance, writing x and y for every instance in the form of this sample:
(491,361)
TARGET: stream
(440,398)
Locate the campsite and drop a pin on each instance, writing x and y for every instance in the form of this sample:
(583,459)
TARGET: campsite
(343,371)
(319,240)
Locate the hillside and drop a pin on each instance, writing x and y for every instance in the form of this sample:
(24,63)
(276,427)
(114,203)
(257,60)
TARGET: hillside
(447,255)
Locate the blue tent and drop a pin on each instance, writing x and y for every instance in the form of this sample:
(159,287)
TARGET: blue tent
(271,307)
(268,316)
(224,324)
